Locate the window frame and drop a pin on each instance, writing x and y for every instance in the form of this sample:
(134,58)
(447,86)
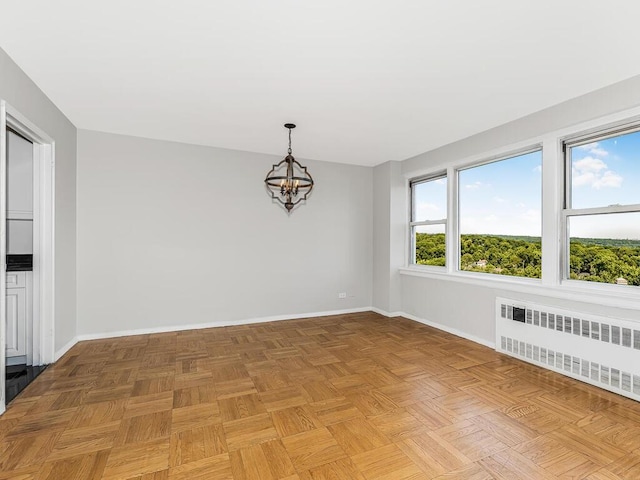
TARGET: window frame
(480,163)
(568,211)
(413,223)
(550,139)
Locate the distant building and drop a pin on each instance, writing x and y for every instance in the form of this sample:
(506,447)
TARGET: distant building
(481,263)
(621,281)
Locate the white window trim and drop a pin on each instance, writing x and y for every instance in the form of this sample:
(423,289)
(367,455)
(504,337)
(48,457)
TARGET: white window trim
(552,283)
(452,227)
(456,246)
(569,212)
(413,224)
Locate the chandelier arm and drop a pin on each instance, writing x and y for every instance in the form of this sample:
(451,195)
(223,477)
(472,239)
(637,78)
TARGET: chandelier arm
(293,185)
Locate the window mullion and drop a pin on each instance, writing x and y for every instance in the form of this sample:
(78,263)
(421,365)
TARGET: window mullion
(453,225)
(552,202)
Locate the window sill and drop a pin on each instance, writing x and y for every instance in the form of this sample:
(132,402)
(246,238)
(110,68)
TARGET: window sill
(627,297)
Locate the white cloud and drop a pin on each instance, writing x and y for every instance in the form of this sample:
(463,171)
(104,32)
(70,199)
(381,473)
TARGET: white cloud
(532,215)
(537,168)
(594,148)
(501,223)
(609,179)
(429,211)
(430,207)
(587,178)
(474,185)
(589,164)
(499,199)
(440,181)
(593,172)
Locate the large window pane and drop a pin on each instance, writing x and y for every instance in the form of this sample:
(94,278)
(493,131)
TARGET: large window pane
(606,172)
(430,200)
(428,221)
(605,248)
(430,245)
(500,216)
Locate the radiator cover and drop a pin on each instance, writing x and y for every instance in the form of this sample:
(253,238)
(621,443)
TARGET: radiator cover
(602,351)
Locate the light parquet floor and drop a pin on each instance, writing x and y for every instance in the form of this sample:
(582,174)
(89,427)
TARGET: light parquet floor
(346,397)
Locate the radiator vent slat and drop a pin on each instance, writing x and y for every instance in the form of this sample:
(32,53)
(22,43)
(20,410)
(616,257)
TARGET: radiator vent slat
(599,350)
(601,374)
(585,328)
(576,326)
(625,337)
(615,335)
(615,377)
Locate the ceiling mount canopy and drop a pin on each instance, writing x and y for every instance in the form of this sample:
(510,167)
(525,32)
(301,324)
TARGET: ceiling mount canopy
(288,181)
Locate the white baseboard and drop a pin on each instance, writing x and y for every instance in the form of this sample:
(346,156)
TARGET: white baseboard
(20,360)
(274,318)
(59,353)
(439,326)
(195,326)
(453,331)
(385,313)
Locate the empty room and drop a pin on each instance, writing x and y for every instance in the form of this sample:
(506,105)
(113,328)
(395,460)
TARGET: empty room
(315,240)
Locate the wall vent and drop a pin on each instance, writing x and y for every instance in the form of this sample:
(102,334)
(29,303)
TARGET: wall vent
(602,351)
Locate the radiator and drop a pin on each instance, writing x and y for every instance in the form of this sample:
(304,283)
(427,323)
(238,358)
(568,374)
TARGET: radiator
(602,351)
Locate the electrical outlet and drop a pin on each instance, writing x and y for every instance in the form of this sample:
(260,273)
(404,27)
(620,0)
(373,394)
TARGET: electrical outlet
(342,295)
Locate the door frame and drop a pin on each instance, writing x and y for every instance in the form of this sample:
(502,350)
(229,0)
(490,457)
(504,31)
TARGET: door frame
(43,284)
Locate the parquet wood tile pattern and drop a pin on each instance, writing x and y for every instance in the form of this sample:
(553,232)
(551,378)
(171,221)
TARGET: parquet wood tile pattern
(356,396)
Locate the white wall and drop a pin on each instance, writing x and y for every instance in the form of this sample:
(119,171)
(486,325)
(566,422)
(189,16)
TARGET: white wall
(172,234)
(390,203)
(25,96)
(470,308)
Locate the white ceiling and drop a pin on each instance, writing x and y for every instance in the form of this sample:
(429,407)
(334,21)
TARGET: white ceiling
(365,80)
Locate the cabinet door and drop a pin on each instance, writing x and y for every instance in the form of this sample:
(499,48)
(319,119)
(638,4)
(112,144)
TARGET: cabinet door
(19,177)
(16,322)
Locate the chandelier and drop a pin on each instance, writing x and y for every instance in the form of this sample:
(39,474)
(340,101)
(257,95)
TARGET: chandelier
(288,181)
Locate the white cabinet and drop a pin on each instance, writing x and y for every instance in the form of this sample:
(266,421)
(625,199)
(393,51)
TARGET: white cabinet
(19,177)
(18,313)
(16,322)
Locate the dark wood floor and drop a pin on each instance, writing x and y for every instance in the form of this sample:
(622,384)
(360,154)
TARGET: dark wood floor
(346,397)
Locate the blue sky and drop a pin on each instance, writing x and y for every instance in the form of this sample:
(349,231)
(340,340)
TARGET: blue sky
(505,197)
(606,172)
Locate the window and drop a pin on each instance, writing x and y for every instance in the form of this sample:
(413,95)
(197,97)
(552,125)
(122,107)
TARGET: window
(602,208)
(500,216)
(429,221)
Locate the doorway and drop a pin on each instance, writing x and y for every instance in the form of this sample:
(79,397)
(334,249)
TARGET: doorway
(20,245)
(26,248)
